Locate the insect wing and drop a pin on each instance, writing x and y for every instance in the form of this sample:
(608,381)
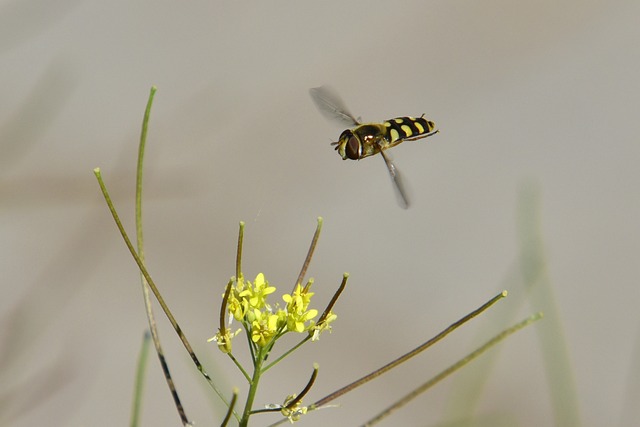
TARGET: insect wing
(396,180)
(331,106)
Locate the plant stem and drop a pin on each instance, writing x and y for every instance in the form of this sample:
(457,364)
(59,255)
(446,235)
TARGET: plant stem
(253,388)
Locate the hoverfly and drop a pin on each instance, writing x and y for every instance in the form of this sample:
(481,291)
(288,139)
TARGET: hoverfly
(366,139)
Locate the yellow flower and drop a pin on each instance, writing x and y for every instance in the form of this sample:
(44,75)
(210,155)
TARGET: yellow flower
(297,313)
(300,299)
(240,285)
(237,307)
(256,295)
(296,322)
(264,327)
(224,340)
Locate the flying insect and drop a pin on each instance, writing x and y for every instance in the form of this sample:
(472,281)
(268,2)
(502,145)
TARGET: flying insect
(366,139)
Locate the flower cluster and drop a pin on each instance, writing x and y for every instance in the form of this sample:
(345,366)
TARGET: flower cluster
(247,303)
(263,322)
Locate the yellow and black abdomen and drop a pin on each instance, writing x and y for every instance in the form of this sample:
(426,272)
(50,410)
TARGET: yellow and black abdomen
(408,128)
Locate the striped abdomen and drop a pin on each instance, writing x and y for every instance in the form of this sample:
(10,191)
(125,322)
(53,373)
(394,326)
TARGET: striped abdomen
(408,128)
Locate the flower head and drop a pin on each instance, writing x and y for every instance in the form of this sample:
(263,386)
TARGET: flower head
(246,297)
(256,295)
(263,327)
(297,304)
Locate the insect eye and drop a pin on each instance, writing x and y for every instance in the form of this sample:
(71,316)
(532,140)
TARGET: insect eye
(352,150)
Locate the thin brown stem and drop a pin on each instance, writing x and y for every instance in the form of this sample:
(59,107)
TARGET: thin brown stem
(408,355)
(335,297)
(232,405)
(307,260)
(239,252)
(453,368)
(153,286)
(306,389)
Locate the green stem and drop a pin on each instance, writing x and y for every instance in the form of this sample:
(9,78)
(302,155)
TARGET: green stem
(239,366)
(288,352)
(253,388)
(139,385)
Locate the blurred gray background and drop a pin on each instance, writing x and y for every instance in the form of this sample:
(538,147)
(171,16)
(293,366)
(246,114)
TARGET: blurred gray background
(528,95)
